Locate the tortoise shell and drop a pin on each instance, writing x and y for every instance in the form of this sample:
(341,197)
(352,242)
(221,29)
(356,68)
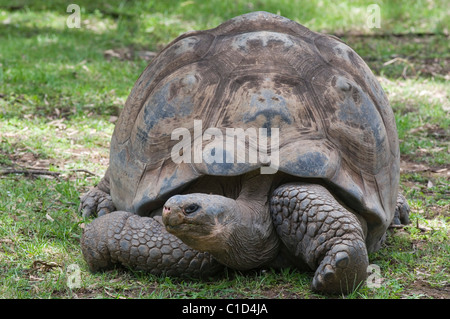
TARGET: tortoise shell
(260,70)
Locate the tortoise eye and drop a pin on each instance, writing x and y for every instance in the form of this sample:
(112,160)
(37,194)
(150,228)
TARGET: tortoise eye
(191,208)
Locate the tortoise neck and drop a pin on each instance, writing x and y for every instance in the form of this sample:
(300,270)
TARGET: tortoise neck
(253,241)
(255,187)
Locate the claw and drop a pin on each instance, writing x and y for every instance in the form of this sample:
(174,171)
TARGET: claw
(342,270)
(96,203)
(102,212)
(342,259)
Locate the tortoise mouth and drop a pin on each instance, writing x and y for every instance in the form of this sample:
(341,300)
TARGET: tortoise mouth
(179,220)
(172,218)
(192,231)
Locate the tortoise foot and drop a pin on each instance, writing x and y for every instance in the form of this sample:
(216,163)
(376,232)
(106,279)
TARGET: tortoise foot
(342,269)
(96,203)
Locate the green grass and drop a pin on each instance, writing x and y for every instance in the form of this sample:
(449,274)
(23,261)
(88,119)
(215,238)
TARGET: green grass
(60,96)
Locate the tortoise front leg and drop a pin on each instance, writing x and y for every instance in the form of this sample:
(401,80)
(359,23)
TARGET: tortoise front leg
(141,243)
(97,201)
(319,231)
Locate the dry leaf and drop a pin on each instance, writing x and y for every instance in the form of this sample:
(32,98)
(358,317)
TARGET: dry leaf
(49,217)
(34,278)
(43,265)
(113,119)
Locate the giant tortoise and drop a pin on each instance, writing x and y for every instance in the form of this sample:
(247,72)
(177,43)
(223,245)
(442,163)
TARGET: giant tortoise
(319,194)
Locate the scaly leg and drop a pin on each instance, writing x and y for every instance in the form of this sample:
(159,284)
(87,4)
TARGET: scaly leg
(323,234)
(141,243)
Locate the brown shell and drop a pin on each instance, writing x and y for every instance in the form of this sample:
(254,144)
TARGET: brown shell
(261,70)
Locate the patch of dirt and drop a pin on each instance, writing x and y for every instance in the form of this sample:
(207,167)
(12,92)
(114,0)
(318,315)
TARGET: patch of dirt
(24,160)
(409,166)
(431,130)
(439,67)
(435,67)
(124,54)
(425,290)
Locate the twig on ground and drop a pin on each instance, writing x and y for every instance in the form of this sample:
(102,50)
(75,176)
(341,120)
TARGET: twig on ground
(29,172)
(83,171)
(397,226)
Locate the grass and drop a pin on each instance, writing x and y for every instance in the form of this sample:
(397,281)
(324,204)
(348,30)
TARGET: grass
(60,95)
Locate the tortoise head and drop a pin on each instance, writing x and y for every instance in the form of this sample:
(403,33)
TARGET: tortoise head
(202,221)
(221,226)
